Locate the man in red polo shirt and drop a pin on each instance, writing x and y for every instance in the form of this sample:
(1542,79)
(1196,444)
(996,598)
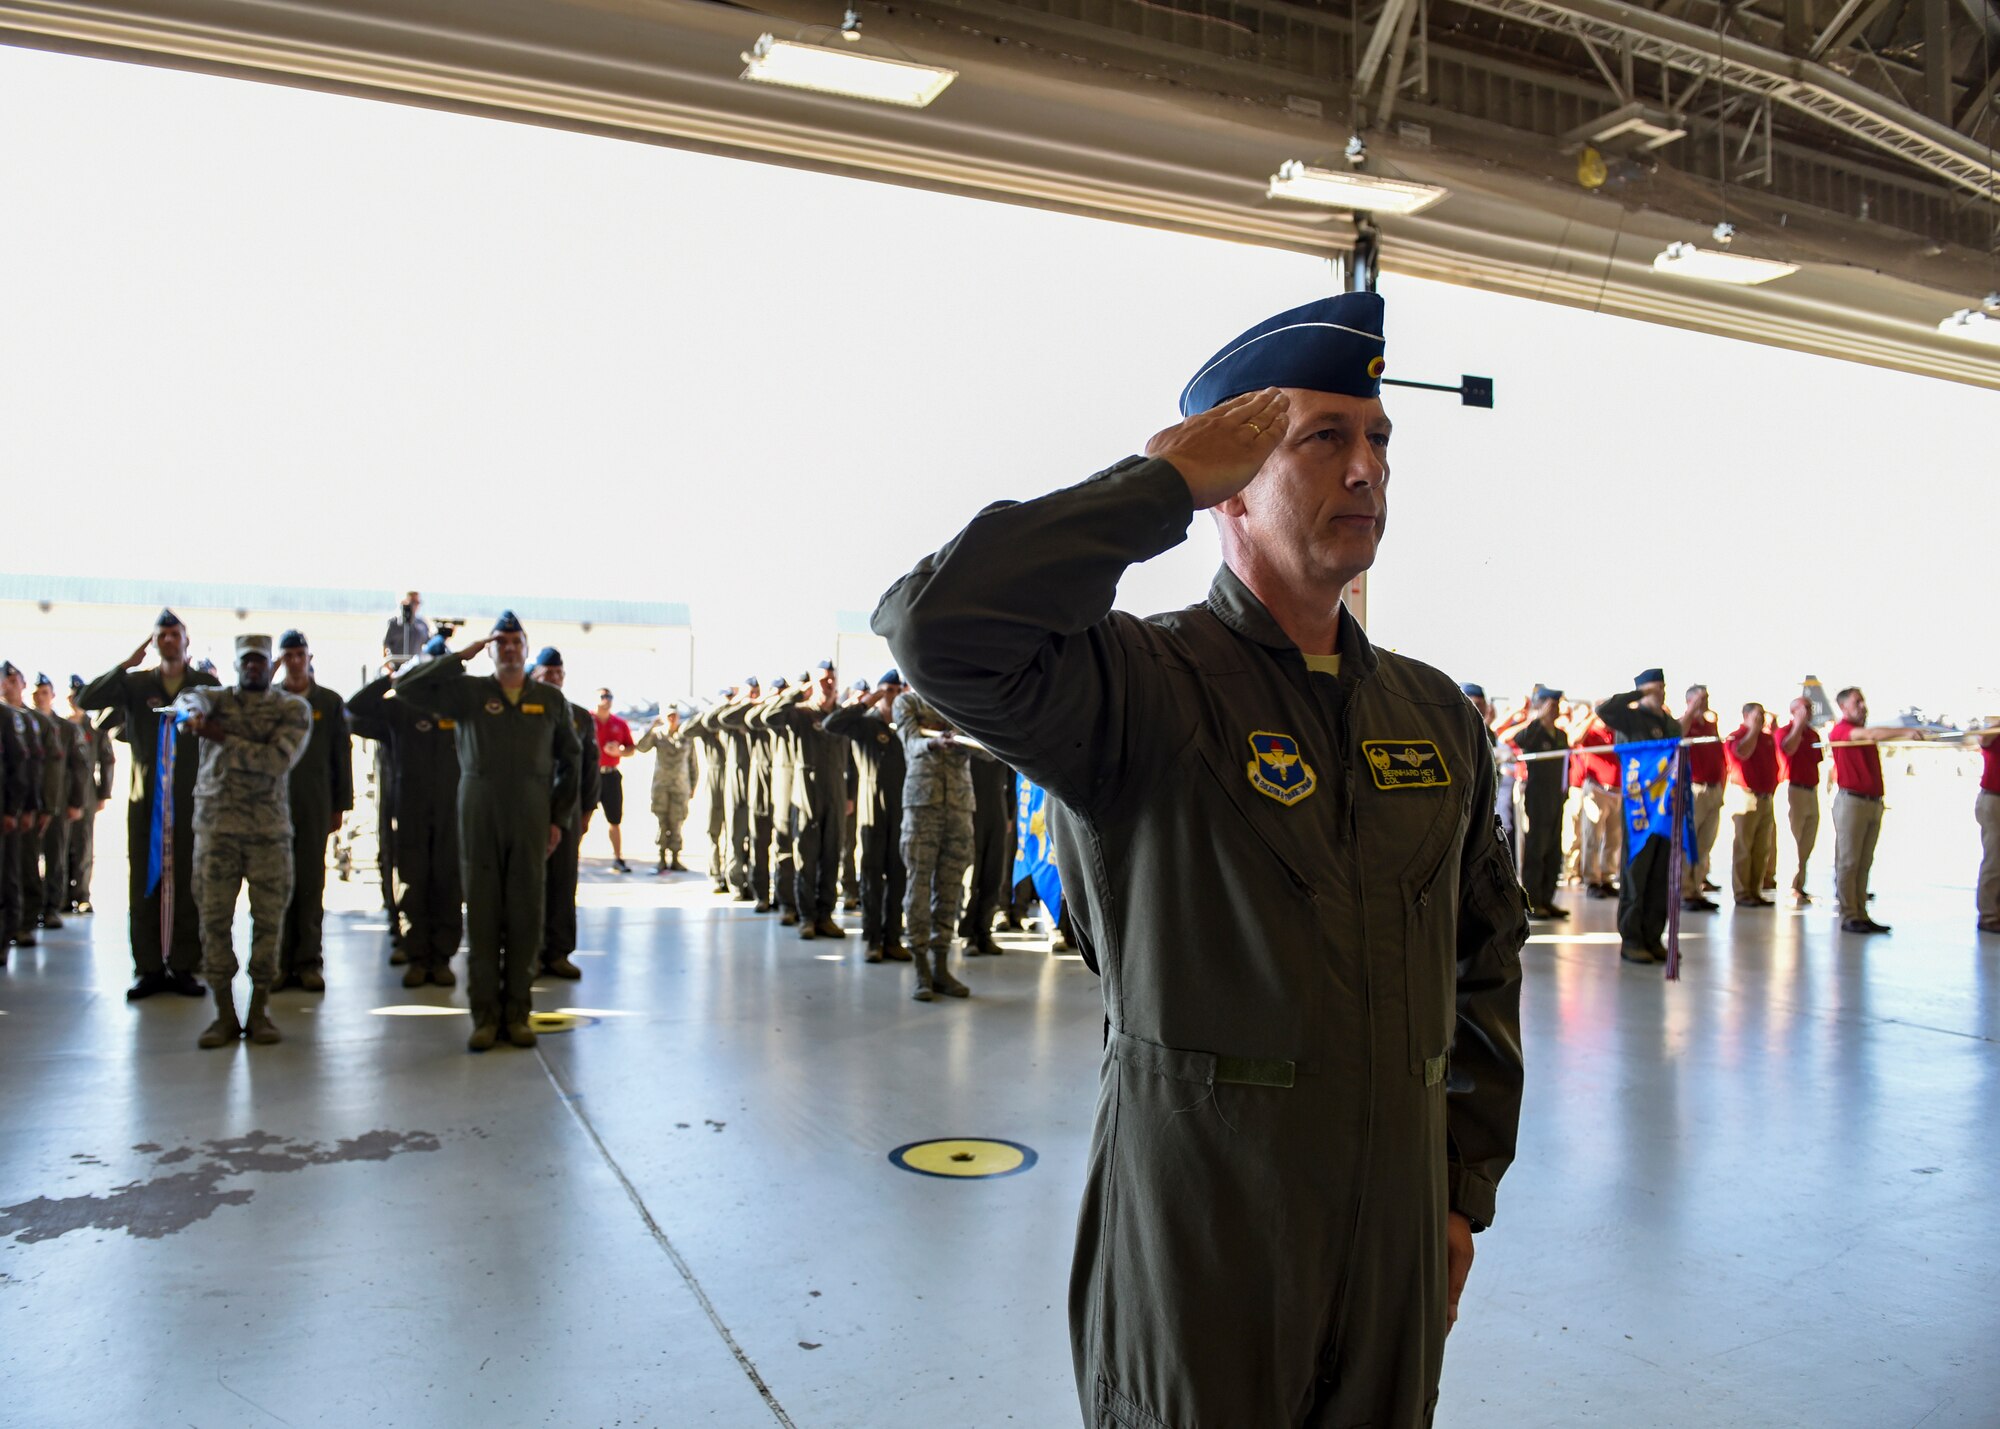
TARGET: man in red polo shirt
(1987,809)
(1752,755)
(614,742)
(1707,781)
(1857,805)
(1799,756)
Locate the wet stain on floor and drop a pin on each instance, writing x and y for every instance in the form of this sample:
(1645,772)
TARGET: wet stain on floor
(163,1205)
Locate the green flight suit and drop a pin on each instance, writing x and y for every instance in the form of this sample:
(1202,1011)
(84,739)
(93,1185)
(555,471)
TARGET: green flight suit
(559,902)
(517,775)
(1309,934)
(321,785)
(421,789)
(137,700)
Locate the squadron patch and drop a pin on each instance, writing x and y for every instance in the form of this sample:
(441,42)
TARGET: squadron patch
(1278,770)
(494,707)
(1405,763)
(423,726)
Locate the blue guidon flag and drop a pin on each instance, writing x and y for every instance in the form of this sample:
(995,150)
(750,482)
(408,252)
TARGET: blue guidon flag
(1277,769)
(1655,778)
(1035,858)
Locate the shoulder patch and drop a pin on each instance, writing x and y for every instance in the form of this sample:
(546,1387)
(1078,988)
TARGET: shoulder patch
(1277,770)
(1405,763)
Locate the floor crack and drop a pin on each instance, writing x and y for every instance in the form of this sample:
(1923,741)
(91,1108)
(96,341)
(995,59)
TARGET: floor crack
(572,1101)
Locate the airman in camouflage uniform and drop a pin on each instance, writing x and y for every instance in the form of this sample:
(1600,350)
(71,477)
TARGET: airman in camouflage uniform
(937,840)
(676,765)
(251,737)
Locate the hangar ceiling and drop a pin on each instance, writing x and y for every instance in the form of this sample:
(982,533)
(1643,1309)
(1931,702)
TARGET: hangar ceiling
(1576,138)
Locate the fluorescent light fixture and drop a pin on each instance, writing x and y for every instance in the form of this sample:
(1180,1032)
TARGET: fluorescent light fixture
(1370,193)
(1973,324)
(1687,261)
(846,72)
(1635,126)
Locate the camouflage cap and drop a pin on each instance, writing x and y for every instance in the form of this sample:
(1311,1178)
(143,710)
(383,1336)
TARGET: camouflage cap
(253,645)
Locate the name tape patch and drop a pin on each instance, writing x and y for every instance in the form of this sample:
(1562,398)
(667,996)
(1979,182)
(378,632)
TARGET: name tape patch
(1405,763)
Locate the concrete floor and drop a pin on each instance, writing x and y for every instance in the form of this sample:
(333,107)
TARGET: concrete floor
(1760,1197)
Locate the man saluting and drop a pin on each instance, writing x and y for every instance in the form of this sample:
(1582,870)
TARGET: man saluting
(1280,845)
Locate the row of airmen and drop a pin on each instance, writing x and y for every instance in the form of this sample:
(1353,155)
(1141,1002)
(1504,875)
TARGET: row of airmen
(55,775)
(797,772)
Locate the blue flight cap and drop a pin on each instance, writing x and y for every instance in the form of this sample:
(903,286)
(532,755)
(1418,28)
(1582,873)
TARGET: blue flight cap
(1331,345)
(890,677)
(781,683)
(75,683)
(508,624)
(1649,677)
(435,645)
(861,685)
(1472,691)
(725,693)
(292,640)
(1543,692)
(824,665)
(164,619)
(550,658)
(751,680)
(8,667)
(41,679)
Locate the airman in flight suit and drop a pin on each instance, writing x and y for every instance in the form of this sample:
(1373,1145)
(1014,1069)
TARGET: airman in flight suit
(1280,844)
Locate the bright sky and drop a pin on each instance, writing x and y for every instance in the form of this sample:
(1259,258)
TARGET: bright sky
(256,333)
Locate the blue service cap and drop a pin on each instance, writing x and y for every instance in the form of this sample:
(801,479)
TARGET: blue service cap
(549,658)
(435,645)
(508,624)
(164,619)
(1654,676)
(292,640)
(1331,345)
(1472,691)
(1543,692)
(41,679)
(890,677)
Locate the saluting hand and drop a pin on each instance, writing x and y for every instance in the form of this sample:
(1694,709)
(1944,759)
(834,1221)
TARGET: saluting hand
(1217,452)
(131,662)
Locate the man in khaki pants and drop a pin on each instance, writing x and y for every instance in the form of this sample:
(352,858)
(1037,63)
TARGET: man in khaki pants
(1857,805)
(1752,753)
(1800,752)
(1707,776)
(1987,809)
(1601,833)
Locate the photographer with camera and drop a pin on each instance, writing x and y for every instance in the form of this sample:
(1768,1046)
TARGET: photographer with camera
(408,633)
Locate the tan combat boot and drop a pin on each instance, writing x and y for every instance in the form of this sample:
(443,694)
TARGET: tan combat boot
(258,1026)
(225,1030)
(943,981)
(923,961)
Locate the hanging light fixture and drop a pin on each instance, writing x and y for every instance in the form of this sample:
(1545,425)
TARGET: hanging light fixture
(824,69)
(1367,193)
(1711,265)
